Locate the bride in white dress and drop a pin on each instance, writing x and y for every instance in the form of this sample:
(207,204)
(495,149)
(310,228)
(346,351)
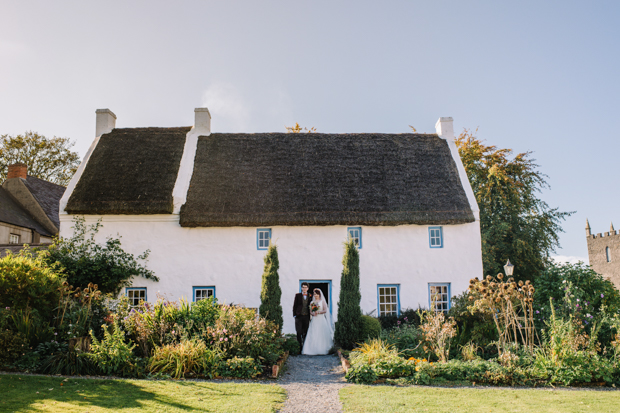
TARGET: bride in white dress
(320,337)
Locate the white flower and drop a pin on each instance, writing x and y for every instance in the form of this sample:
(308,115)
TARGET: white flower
(564,282)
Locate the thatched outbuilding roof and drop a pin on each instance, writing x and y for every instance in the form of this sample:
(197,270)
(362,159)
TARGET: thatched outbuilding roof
(131,171)
(267,179)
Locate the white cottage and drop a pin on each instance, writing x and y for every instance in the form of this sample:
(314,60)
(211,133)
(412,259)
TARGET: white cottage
(207,205)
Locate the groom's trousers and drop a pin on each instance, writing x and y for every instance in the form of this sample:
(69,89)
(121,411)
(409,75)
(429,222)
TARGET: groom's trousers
(301,326)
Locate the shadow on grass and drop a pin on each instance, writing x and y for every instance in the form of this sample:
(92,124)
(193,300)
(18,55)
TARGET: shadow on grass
(23,393)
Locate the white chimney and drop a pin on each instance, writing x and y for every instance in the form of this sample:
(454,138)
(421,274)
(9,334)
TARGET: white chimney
(106,121)
(445,129)
(202,121)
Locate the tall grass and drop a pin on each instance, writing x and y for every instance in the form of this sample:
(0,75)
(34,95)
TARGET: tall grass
(189,357)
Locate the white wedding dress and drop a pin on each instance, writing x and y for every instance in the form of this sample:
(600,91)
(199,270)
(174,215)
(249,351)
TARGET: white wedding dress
(320,337)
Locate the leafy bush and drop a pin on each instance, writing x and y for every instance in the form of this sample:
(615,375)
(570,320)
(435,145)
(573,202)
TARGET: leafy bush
(240,332)
(80,311)
(26,281)
(291,344)
(475,327)
(589,292)
(362,374)
(348,327)
(31,325)
(204,313)
(69,362)
(240,367)
(407,316)
(12,346)
(113,355)
(406,338)
(84,261)
(154,325)
(371,328)
(187,358)
(270,295)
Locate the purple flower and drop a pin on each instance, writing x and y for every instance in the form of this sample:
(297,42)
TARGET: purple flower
(537,312)
(602,295)
(8,308)
(398,322)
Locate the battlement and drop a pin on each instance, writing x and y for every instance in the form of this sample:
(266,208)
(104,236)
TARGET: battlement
(612,232)
(604,234)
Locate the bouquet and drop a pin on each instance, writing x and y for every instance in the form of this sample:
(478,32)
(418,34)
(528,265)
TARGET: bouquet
(314,307)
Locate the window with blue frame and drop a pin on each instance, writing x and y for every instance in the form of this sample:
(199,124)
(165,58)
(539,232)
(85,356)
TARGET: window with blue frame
(200,293)
(263,238)
(388,300)
(135,295)
(435,235)
(355,233)
(439,297)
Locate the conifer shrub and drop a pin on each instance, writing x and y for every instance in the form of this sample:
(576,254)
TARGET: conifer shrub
(348,328)
(271,294)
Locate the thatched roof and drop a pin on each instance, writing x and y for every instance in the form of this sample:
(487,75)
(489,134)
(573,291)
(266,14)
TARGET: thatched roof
(270,179)
(131,171)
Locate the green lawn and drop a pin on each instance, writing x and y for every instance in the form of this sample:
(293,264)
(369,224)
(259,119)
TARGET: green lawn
(19,393)
(377,399)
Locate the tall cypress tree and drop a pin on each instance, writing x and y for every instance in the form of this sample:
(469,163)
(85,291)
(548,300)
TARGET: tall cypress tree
(349,325)
(271,294)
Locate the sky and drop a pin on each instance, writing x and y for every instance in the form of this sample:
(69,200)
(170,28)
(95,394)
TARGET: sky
(528,75)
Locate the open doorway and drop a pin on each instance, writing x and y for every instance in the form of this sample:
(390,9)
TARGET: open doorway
(324,285)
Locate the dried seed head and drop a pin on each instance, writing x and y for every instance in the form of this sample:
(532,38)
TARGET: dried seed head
(520,283)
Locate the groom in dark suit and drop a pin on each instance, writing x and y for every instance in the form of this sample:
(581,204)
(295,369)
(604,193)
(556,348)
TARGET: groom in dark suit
(301,312)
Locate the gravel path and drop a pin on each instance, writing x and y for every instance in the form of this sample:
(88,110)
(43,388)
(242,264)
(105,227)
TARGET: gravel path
(312,384)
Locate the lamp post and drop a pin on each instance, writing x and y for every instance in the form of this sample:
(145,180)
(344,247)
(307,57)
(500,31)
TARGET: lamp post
(509,268)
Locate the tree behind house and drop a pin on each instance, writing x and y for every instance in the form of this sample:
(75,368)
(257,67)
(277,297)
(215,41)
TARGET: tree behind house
(271,294)
(49,159)
(515,223)
(349,324)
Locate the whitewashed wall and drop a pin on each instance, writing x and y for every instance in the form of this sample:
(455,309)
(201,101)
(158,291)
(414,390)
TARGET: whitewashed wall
(228,259)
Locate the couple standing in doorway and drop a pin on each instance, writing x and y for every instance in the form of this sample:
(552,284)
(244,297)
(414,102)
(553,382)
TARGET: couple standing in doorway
(313,322)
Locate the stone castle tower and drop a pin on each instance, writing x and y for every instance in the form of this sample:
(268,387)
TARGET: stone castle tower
(604,253)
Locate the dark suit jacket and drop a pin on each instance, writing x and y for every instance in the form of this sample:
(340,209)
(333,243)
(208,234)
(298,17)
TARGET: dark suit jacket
(299,302)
